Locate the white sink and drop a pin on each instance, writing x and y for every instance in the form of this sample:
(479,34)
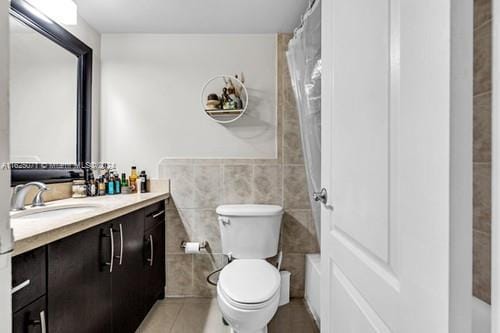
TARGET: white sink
(53,211)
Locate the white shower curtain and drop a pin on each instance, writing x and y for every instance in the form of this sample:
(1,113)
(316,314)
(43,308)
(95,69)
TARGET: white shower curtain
(304,63)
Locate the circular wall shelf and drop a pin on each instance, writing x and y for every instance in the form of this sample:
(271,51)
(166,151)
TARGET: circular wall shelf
(224,98)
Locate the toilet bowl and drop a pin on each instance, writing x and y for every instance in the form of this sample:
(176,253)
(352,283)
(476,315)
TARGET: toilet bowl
(248,290)
(248,294)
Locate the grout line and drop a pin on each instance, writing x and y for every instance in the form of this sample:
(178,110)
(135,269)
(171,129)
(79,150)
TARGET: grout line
(252,184)
(490,20)
(176,316)
(481,232)
(282,139)
(482,93)
(482,162)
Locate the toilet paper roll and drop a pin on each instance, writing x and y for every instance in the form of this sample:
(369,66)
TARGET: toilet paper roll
(192,247)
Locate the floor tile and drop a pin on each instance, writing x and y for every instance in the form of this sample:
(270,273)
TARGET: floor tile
(202,315)
(198,317)
(293,318)
(161,318)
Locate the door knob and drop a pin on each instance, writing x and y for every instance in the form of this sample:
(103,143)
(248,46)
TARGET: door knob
(321,196)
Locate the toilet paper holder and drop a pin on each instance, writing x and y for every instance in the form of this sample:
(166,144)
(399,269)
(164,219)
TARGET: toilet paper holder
(203,245)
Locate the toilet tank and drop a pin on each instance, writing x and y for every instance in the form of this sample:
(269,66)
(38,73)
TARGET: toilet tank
(250,231)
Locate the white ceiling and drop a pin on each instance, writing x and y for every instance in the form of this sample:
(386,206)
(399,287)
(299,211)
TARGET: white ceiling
(192,16)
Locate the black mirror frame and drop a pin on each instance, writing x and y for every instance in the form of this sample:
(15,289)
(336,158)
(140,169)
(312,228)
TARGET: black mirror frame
(53,173)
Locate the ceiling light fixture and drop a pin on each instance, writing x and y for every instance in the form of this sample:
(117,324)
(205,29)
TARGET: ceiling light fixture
(62,11)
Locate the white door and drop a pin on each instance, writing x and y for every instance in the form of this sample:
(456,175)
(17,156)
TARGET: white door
(389,162)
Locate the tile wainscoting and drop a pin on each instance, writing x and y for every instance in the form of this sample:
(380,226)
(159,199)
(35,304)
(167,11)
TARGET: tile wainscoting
(198,186)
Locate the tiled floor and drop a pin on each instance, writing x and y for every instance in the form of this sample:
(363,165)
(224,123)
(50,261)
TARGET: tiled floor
(201,315)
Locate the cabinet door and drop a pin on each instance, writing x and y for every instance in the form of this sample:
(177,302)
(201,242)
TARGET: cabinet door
(154,274)
(127,279)
(79,282)
(29,272)
(32,318)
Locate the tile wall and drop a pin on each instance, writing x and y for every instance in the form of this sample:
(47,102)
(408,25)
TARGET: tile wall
(198,186)
(57,191)
(482,150)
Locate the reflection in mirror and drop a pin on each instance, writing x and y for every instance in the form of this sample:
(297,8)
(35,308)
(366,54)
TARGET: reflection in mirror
(43,94)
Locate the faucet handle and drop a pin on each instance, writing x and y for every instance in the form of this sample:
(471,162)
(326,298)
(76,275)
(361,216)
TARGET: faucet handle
(38,199)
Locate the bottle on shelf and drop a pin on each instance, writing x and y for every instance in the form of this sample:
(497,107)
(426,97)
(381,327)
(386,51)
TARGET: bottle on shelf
(91,187)
(118,185)
(133,179)
(124,179)
(102,186)
(144,179)
(111,185)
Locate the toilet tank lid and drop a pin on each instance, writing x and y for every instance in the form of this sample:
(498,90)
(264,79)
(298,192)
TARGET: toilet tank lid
(249,210)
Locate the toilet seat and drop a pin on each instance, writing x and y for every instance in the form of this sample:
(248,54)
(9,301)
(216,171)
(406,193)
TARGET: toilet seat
(249,283)
(246,306)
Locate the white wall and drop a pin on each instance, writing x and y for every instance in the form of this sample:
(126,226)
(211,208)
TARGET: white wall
(151,108)
(5,270)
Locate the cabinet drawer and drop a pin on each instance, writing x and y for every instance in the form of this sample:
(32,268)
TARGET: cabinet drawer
(32,318)
(28,277)
(154,215)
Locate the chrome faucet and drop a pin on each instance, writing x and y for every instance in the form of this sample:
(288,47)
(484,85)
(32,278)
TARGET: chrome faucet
(19,195)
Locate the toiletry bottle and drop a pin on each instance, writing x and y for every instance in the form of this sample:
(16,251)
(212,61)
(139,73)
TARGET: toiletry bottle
(118,185)
(111,185)
(97,186)
(133,178)
(144,179)
(91,187)
(102,186)
(125,189)
(138,186)
(124,179)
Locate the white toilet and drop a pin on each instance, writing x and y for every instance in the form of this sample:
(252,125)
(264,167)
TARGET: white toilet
(248,290)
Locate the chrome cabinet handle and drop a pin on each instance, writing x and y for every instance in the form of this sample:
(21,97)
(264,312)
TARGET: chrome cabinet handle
(43,324)
(321,196)
(151,246)
(112,238)
(20,286)
(160,213)
(120,257)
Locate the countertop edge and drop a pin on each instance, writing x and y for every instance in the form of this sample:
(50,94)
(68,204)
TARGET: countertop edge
(44,238)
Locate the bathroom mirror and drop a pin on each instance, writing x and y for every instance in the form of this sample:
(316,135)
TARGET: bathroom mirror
(224,98)
(42,98)
(50,98)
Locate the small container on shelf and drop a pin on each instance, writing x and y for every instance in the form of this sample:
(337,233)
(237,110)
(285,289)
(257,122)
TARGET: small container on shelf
(232,101)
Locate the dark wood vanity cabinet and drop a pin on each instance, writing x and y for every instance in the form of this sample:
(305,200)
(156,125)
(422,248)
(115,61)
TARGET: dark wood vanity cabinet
(28,278)
(32,318)
(79,282)
(98,280)
(128,278)
(29,304)
(155,265)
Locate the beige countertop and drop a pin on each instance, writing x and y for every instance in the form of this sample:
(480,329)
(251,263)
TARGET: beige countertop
(30,233)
